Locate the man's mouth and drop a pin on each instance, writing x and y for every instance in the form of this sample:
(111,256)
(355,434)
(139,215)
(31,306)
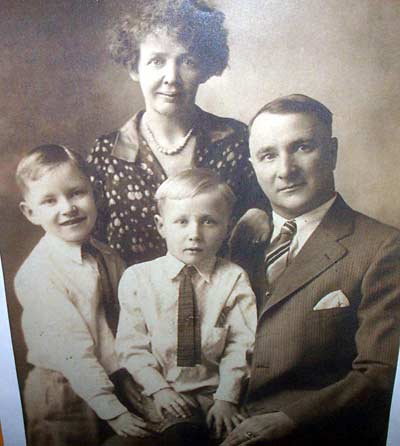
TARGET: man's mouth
(73,221)
(291,187)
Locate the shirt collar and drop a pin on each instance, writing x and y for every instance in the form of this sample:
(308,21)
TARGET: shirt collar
(175,266)
(313,217)
(126,143)
(72,251)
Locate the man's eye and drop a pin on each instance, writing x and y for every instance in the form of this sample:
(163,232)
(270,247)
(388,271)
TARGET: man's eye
(208,221)
(305,147)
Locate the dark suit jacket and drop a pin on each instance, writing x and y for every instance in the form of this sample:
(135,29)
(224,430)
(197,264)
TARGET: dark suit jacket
(331,371)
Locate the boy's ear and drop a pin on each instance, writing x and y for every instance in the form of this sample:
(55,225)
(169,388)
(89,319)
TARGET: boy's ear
(28,212)
(160,225)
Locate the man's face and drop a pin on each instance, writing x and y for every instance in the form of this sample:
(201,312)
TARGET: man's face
(294,157)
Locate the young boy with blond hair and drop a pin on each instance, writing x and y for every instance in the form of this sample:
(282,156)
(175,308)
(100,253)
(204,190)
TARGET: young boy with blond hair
(188,319)
(67,288)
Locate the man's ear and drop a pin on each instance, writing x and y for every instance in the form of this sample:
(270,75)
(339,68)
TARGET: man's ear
(28,212)
(333,150)
(160,225)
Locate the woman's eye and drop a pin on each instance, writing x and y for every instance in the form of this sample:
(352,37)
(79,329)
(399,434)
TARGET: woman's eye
(189,62)
(78,193)
(157,61)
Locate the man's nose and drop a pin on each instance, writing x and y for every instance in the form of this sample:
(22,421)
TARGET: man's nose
(286,166)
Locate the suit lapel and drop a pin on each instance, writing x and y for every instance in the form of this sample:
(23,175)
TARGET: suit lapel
(321,251)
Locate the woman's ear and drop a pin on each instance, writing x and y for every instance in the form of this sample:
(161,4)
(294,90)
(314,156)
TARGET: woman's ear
(134,75)
(160,225)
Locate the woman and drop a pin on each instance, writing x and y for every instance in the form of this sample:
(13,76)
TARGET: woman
(170,47)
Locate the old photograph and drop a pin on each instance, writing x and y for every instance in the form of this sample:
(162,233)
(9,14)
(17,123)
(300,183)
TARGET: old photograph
(200,219)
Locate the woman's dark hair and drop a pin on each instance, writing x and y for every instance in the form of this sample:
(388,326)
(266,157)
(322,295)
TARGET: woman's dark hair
(194,23)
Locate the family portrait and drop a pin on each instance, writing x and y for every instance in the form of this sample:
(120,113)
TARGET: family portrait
(200,223)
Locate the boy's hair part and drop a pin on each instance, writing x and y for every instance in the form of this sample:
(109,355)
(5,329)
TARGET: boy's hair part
(192,182)
(44,158)
(297,103)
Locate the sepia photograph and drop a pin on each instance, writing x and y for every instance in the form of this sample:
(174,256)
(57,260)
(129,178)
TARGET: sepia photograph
(200,222)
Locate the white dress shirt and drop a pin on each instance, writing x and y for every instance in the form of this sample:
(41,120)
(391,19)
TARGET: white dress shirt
(147,331)
(306,225)
(63,324)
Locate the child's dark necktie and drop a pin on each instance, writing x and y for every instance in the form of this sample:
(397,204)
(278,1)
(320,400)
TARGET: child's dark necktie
(189,341)
(107,298)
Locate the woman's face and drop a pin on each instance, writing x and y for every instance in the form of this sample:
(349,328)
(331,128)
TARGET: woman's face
(168,75)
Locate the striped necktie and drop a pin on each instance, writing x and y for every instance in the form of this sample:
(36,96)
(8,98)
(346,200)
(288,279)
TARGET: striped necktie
(108,299)
(189,343)
(276,254)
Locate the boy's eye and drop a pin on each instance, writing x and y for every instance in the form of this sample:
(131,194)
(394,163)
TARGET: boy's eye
(78,193)
(181,221)
(48,201)
(267,156)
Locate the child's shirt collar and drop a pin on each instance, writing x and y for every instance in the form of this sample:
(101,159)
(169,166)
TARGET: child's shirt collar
(73,251)
(175,266)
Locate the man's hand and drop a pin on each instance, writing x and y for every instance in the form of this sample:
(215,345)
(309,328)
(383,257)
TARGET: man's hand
(172,402)
(266,427)
(129,424)
(223,415)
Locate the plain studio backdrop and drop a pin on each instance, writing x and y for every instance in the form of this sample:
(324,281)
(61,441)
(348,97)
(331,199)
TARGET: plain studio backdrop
(58,84)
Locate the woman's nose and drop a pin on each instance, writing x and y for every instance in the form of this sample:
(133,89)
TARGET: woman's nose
(171,72)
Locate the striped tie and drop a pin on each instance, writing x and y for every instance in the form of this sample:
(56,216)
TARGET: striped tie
(276,254)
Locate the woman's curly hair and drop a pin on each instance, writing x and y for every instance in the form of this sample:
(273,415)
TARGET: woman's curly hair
(194,23)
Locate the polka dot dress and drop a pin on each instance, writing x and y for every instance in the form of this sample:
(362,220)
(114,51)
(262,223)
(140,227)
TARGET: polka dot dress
(125,190)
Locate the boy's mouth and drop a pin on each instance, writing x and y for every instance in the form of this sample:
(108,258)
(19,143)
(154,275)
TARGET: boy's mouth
(73,221)
(193,250)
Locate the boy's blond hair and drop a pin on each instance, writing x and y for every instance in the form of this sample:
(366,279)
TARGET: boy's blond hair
(44,158)
(192,182)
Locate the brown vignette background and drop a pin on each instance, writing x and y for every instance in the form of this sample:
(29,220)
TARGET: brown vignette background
(57,84)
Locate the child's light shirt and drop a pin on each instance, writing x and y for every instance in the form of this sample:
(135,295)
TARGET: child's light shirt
(147,330)
(63,322)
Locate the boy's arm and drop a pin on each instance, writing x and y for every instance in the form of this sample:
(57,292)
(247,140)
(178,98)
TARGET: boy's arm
(58,339)
(133,342)
(241,320)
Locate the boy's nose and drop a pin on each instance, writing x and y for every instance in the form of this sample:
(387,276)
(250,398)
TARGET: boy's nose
(194,231)
(68,208)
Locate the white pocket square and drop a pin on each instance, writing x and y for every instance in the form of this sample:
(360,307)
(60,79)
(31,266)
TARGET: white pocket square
(336,299)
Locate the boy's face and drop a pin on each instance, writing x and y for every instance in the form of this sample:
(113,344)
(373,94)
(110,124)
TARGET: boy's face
(194,228)
(62,203)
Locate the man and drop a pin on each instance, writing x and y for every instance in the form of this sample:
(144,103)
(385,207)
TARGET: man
(328,291)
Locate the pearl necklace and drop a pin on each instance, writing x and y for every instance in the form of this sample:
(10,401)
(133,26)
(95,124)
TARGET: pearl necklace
(164,150)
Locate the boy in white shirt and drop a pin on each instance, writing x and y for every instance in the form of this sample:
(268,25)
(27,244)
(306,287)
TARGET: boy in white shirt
(189,354)
(67,288)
